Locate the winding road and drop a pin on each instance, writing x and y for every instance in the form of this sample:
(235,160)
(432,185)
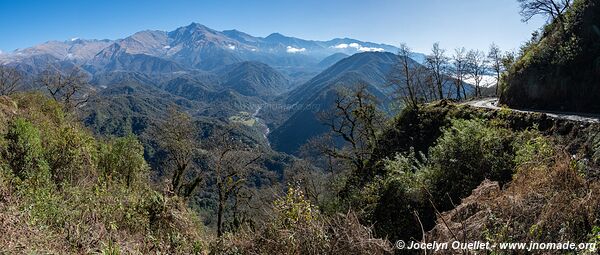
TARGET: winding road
(492,103)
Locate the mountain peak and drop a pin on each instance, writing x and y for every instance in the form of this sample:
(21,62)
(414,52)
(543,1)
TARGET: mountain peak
(198,26)
(199,47)
(275,36)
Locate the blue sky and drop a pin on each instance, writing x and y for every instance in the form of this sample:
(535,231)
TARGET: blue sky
(419,23)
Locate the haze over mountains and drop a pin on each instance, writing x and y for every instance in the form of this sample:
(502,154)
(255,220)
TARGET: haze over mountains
(226,75)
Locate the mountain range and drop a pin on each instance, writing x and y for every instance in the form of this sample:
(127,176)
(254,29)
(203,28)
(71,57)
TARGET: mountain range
(191,47)
(226,75)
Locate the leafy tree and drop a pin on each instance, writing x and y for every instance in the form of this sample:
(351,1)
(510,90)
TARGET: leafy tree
(508,59)
(294,208)
(70,153)
(177,136)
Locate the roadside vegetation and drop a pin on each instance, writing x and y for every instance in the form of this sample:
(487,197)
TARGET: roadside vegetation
(438,170)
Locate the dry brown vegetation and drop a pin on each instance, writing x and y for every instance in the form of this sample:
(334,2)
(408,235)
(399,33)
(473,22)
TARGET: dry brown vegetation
(544,203)
(297,227)
(64,192)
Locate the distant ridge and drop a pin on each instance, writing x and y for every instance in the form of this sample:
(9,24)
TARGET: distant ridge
(190,47)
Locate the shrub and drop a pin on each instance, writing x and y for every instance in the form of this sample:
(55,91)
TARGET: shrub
(294,208)
(310,233)
(23,151)
(398,200)
(532,148)
(71,154)
(122,160)
(414,186)
(467,153)
(52,201)
(544,203)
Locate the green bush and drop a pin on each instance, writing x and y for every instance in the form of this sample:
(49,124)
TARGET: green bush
(467,153)
(294,208)
(81,195)
(23,151)
(122,160)
(71,154)
(532,148)
(398,200)
(414,185)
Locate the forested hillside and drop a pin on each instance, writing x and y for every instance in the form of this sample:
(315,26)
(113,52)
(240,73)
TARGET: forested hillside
(199,141)
(559,69)
(64,191)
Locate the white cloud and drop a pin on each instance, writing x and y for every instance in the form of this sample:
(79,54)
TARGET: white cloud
(486,81)
(253,49)
(371,49)
(341,46)
(357,47)
(354,45)
(167,47)
(291,49)
(231,47)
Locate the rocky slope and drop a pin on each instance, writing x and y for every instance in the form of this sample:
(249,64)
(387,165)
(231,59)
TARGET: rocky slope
(560,71)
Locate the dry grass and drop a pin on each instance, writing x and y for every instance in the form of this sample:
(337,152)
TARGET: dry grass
(82,214)
(341,234)
(544,203)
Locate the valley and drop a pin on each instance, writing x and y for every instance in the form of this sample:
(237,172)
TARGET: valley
(205,140)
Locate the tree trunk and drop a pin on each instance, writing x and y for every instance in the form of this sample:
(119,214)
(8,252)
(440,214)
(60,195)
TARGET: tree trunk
(497,82)
(220,215)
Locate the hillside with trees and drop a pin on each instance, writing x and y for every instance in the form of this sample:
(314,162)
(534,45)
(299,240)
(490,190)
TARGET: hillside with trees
(176,143)
(559,68)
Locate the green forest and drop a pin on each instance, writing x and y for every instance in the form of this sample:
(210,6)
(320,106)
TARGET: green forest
(180,168)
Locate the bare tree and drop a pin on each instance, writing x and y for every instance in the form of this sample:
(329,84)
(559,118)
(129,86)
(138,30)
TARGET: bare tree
(308,177)
(404,77)
(176,135)
(495,59)
(437,63)
(10,80)
(232,161)
(355,120)
(66,87)
(459,71)
(553,9)
(476,67)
